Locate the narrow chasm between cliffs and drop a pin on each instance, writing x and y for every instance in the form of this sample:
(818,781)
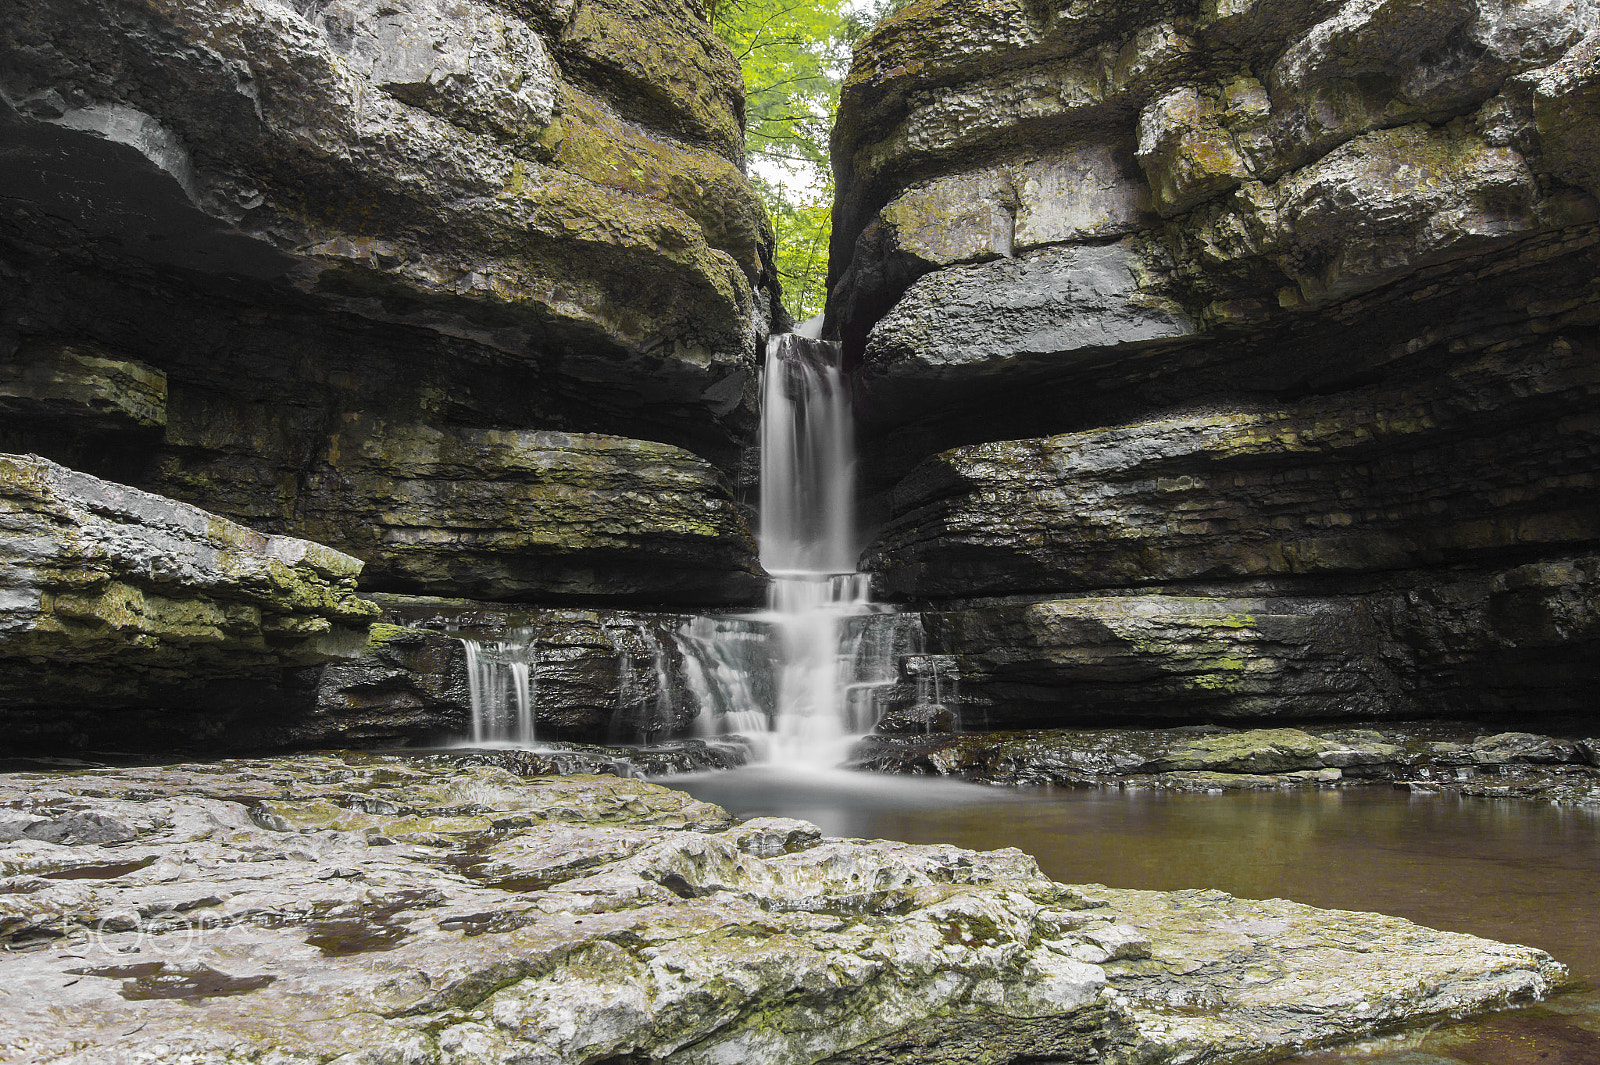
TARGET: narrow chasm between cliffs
(799,532)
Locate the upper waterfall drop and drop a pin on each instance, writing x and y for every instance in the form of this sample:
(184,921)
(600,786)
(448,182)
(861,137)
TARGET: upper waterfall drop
(808,460)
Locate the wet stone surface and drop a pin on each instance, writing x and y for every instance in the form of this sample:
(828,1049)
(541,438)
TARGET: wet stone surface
(1453,757)
(451,908)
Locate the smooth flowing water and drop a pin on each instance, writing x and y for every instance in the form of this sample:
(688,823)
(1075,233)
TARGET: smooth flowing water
(801,679)
(501,685)
(1513,871)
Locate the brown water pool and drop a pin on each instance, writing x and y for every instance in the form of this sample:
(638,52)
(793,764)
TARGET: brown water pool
(1513,871)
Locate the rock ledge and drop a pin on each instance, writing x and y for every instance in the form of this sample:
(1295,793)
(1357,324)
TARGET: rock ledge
(366,908)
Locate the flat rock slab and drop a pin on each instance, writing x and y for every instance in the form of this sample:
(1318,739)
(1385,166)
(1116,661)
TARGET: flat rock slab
(374,908)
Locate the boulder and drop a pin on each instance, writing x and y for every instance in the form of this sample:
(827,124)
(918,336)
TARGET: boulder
(1009,314)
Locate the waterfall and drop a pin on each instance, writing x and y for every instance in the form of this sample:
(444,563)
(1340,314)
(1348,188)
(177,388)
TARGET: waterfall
(803,678)
(501,687)
(796,682)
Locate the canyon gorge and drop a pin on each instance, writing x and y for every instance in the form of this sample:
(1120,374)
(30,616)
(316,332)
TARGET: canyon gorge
(1222,387)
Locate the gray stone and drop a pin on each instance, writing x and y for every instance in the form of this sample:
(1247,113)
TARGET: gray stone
(503,514)
(1395,200)
(1361,481)
(109,595)
(321,906)
(1047,305)
(1451,757)
(84,388)
(1422,647)
(1563,102)
(339,228)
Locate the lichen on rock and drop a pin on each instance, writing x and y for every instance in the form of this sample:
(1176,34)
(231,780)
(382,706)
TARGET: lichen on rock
(321,906)
(140,593)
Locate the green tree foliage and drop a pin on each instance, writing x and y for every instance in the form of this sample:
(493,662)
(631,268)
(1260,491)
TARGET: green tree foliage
(794,54)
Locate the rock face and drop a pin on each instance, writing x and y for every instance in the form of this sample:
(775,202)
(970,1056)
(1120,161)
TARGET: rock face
(334,270)
(319,907)
(1467,645)
(596,676)
(1230,362)
(1420,757)
(137,596)
(523,515)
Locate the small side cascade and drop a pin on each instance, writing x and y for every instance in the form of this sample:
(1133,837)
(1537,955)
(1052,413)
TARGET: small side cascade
(646,706)
(502,687)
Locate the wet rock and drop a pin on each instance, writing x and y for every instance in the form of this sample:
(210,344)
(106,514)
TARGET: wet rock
(1456,757)
(1563,97)
(1523,747)
(407,685)
(1415,646)
(920,717)
(1012,311)
(323,905)
(113,596)
(1372,218)
(598,676)
(1369,480)
(1185,658)
(559,758)
(80,397)
(535,515)
(1189,932)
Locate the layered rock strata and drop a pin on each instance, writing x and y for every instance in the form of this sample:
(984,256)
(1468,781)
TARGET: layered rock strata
(111,597)
(378,251)
(596,675)
(1285,312)
(533,516)
(318,907)
(1424,757)
(1447,643)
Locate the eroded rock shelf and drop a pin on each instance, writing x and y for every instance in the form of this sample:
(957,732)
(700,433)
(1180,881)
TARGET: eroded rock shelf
(315,907)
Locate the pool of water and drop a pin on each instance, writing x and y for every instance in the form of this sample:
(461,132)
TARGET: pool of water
(1513,871)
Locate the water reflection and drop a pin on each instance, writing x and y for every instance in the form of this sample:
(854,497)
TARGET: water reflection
(1513,871)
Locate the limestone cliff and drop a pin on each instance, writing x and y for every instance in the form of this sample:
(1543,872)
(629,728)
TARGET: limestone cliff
(1231,360)
(319,267)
